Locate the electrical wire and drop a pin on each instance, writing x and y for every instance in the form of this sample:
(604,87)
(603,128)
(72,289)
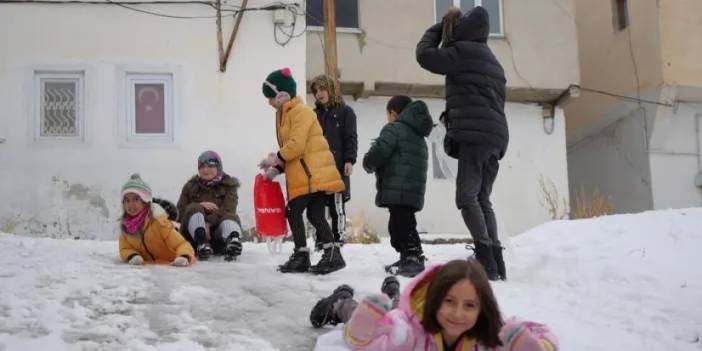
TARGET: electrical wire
(624,97)
(156,13)
(280,27)
(232,9)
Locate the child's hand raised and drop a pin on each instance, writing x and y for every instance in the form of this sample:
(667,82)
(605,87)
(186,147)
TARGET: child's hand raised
(367,322)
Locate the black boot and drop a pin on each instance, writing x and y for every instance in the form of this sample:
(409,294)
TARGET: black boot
(318,245)
(232,248)
(323,312)
(331,261)
(390,287)
(484,255)
(299,262)
(412,265)
(393,267)
(203,248)
(497,253)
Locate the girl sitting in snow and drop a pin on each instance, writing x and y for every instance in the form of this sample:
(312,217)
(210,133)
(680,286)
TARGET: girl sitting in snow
(147,233)
(447,307)
(207,209)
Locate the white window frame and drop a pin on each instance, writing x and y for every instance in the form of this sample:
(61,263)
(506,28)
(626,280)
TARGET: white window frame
(338,29)
(501,34)
(127,105)
(40,76)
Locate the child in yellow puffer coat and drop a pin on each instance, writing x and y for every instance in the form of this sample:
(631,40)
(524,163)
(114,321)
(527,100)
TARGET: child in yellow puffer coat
(147,235)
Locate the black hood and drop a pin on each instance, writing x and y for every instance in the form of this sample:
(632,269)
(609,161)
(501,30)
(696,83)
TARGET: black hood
(416,115)
(474,25)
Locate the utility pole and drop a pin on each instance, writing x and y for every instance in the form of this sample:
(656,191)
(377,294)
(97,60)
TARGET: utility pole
(330,40)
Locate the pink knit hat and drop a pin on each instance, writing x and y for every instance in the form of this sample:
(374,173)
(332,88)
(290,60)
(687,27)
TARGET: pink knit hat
(137,186)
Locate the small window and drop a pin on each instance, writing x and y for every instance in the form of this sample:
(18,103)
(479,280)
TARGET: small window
(346,13)
(59,105)
(493,7)
(149,107)
(620,12)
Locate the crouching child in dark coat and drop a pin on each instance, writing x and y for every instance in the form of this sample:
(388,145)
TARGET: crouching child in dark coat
(207,210)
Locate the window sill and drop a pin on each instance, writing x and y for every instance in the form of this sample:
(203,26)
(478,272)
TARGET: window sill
(338,29)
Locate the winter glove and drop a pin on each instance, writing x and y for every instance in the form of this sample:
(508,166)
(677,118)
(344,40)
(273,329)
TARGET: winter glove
(271,172)
(136,260)
(528,336)
(169,207)
(367,321)
(271,160)
(180,261)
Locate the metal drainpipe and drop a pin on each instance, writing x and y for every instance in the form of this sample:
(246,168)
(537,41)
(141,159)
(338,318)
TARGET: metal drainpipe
(698,136)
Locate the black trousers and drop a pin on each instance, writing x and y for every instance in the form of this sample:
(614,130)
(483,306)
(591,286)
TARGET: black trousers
(402,226)
(337,211)
(477,170)
(314,204)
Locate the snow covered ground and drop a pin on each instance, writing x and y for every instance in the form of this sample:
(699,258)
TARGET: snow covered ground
(629,282)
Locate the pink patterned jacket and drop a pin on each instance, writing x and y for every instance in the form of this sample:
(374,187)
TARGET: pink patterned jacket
(373,328)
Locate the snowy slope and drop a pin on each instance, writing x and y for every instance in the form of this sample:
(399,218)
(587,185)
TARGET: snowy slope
(629,282)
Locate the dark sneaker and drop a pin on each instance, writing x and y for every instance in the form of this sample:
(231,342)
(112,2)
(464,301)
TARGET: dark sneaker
(323,311)
(232,248)
(390,287)
(411,266)
(299,262)
(331,261)
(204,251)
(392,268)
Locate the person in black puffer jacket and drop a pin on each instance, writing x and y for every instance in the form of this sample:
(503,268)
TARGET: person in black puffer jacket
(338,122)
(477,133)
(399,157)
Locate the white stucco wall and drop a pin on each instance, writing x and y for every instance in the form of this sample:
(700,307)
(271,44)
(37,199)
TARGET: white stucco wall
(56,188)
(532,154)
(675,157)
(614,161)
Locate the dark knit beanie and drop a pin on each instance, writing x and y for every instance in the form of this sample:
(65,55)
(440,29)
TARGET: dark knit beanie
(210,158)
(282,80)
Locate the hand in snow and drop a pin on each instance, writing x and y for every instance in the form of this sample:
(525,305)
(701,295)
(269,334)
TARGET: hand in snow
(180,261)
(136,260)
(348,169)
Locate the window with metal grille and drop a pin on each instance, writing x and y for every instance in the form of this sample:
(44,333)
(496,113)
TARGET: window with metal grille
(493,7)
(59,105)
(346,13)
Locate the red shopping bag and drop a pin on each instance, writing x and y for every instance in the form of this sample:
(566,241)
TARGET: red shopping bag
(269,205)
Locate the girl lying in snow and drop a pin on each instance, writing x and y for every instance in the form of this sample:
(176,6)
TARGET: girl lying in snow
(446,307)
(147,233)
